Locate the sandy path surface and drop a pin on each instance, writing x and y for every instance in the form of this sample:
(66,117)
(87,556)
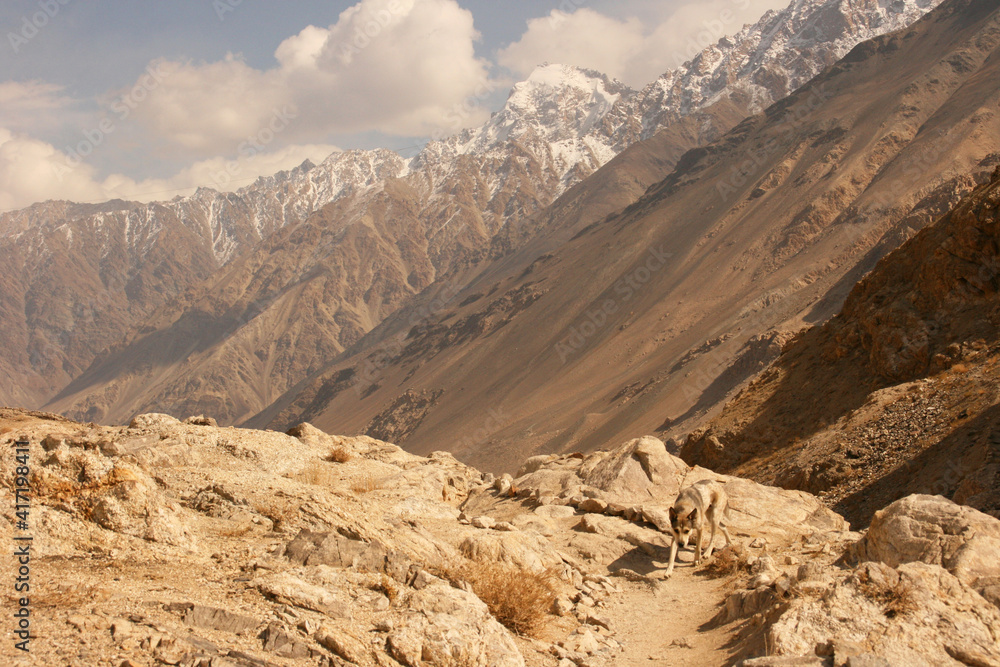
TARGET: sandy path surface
(683,634)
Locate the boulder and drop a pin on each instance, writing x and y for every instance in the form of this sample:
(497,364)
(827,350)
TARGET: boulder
(448,626)
(526,550)
(290,589)
(534,463)
(333,549)
(153,421)
(918,614)
(756,509)
(128,501)
(629,473)
(933,529)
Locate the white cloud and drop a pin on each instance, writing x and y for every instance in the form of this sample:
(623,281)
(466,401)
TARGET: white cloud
(393,66)
(584,38)
(632,50)
(30,106)
(32,171)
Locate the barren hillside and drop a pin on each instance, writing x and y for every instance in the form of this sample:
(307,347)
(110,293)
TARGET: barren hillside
(897,394)
(289,292)
(646,320)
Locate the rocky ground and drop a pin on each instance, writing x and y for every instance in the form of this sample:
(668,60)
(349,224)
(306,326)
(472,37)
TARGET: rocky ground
(182,543)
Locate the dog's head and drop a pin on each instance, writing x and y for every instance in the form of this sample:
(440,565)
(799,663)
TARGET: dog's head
(683,525)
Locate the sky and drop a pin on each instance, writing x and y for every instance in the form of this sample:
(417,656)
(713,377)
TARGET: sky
(149,100)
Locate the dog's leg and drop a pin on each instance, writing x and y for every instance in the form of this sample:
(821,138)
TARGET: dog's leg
(725,531)
(711,540)
(701,538)
(723,511)
(673,555)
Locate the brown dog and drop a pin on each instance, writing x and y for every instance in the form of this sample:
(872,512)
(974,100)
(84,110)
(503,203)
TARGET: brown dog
(697,507)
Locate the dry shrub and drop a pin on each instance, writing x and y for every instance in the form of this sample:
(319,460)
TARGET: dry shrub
(895,599)
(338,455)
(729,561)
(315,473)
(365,483)
(238,530)
(50,488)
(278,512)
(519,599)
(65,596)
(387,587)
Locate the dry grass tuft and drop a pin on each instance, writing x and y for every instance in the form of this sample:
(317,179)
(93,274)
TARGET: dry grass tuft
(365,483)
(728,561)
(339,455)
(280,513)
(895,600)
(519,599)
(71,597)
(387,587)
(239,530)
(315,473)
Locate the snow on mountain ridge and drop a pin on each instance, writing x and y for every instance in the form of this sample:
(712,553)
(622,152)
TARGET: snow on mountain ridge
(767,60)
(571,120)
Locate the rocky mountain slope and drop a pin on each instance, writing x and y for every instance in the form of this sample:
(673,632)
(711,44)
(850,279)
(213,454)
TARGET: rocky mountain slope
(459,197)
(182,543)
(646,320)
(84,275)
(898,393)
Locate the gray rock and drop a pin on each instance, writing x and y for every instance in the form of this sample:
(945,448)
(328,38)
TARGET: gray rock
(285,644)
(331,548)
(212,618)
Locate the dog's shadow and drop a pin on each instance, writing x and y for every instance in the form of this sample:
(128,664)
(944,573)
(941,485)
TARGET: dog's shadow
(636,560)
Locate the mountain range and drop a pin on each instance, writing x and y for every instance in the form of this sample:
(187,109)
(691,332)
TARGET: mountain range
(584,335)
(268,302)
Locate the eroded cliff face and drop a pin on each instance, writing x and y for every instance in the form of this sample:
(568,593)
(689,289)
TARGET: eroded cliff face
(897,393)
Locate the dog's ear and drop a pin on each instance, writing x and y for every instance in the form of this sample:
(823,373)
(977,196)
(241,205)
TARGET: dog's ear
(673,514)
(694,514)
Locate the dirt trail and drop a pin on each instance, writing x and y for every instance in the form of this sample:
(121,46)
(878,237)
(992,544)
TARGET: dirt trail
(682,607)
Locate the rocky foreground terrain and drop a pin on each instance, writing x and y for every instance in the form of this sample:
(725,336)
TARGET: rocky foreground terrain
(183,543)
